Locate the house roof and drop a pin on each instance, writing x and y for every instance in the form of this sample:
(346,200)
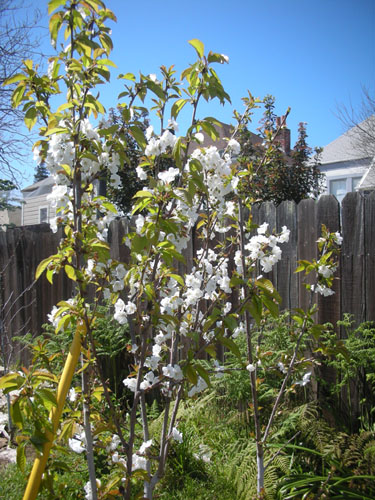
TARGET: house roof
(367,182)
(346,147)
(38,188)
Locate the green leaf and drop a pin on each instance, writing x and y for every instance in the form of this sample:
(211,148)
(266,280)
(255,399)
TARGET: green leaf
(128,76)
(177,152)
(54,4)
(48,395)
(139,243)
(66,105)
(18,94)
(66,430)
(95,4)
(210,130)
(231,345)
(271,306)
(211,349)
(177,106)
(31,117)
(38,439)
(56,130)
(106,62)
(177,278)
(255,308)
(110,207)
(191,374)
(14,380)
(203,373)
(198,45)
(219,58)
(42,266)
(265,284)
(70,272)
(13,79)
(230,321)
(49,275)
(55,24)
(156,89)
(15,413)
(21,456)
(138,135)
(46,376)
(64,322)
(144,194)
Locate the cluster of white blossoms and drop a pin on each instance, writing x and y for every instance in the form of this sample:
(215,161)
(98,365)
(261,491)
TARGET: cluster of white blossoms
(322,290)
(326,269)
(200,386)
(122,311)
(60,160)
(88,489)
(139,458)
(264,248)
(159,145)
(216,171)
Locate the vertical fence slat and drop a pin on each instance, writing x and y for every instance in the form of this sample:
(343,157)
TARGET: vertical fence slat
(369,223)
(287,280)
(352,257)
(328,213)
(306,246)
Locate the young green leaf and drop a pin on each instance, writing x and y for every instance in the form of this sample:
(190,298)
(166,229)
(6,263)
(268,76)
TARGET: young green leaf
(198,45)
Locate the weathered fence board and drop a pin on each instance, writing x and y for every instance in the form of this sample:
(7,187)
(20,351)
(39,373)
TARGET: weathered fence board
(370,257)
(328,213)
(352,257)
(306,246)
(27,304)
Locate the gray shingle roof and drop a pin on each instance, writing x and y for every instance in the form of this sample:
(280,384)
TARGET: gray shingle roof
(38,188)
(368,180)
(346,146)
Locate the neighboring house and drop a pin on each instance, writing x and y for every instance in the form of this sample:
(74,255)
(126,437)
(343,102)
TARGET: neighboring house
(10,217)
(36,208)
(347,167)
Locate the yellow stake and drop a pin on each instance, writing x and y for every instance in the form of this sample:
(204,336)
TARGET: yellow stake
(35,478)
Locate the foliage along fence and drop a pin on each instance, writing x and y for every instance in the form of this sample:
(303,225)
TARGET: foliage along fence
(25,303)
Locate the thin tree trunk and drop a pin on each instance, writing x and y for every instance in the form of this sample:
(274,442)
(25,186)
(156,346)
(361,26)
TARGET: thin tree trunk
(88,433)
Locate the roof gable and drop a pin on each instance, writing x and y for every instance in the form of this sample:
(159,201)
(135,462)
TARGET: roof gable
(38,188)
(346,147)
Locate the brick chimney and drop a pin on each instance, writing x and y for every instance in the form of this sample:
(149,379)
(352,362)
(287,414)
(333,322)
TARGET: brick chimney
(283,136)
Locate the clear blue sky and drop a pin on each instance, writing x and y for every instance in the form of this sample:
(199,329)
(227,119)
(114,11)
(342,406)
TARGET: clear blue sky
(312,55)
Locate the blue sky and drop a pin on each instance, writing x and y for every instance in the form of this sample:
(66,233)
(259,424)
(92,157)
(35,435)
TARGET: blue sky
(311,55)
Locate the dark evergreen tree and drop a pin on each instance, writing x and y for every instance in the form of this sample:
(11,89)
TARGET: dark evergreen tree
(6,199)
(41,172)
(278,174)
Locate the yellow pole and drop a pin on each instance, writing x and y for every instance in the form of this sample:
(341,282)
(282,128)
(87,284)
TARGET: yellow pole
(35,477)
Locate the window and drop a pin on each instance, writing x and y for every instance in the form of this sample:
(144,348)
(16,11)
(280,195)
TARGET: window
(43,214)
(338,188)
(355,181)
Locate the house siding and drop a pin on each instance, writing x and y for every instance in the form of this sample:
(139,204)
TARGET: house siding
(31,210)
(10,217)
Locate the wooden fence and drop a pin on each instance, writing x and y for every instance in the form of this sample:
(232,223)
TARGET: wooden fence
(25,303)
